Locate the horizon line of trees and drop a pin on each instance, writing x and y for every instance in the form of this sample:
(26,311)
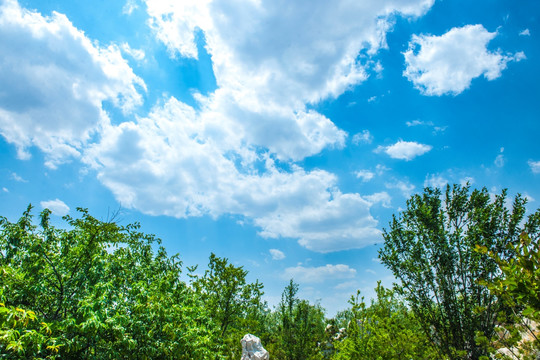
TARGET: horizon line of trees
(468,267)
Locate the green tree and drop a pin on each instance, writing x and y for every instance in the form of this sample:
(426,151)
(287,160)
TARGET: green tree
(234,304)
(385,330)
(300,329)
(430,249)
(519,287)
(100,291)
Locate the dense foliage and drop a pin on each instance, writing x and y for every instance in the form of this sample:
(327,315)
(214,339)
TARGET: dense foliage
(385,330)
(469,272)
(430,248)
(96,291)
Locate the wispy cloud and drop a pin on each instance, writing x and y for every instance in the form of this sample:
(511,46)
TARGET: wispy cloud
(535,166)
(319,274)
(57,207)
(18,178)
(362,137)
(277,254)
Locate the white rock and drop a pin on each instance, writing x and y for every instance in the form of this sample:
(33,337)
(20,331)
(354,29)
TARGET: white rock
(252,348)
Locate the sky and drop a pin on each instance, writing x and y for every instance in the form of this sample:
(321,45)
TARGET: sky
(279,134)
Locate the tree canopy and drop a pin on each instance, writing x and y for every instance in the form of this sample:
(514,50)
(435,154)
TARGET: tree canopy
(430,248)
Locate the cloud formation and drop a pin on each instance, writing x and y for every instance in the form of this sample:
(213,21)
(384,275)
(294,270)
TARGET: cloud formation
(53,81)
(535,166)
(277,254)
(306,275)
(237,151)
(173,163)
(57,207)
(404,150)
(447,64)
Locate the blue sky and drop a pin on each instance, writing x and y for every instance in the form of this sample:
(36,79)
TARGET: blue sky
(281,135)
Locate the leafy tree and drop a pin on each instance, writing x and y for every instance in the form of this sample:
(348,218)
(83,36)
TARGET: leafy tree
(385,330)
(99,290)
(519,287)
(430,249)
(300,329)
(235,305)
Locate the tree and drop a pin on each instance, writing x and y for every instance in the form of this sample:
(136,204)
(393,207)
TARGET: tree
(300,328)
(519,287)
(235,305)
(430,249)
(385,330)
(97,290)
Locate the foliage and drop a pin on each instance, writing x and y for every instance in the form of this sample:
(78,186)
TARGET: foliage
(235,305)
(100,292)
(519,287)
(430,248)
(385,330)
(23,335)
(300,328)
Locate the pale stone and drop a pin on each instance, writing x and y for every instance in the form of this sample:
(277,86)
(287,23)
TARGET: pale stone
(252,348)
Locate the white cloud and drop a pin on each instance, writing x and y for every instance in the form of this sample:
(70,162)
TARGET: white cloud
(178,162)
(362,137)
(52,88)
(535,166)
(381,197)
(129,7)
(405,187)
(277,254)
(447,64)
(319,274)
(57,207)
(404,150)
(525,32)
(137,54)
(418,123)
(269,64)
(365,175)
(18,178)
(5,190)
(435,181)
(306,53)
(499,160)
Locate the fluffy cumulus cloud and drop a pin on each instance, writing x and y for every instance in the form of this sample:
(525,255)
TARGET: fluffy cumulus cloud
(53,80)
(237,152)
(319,274)
(178,162)
(404,150)
(57,207)
(448,63)
(271,59)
